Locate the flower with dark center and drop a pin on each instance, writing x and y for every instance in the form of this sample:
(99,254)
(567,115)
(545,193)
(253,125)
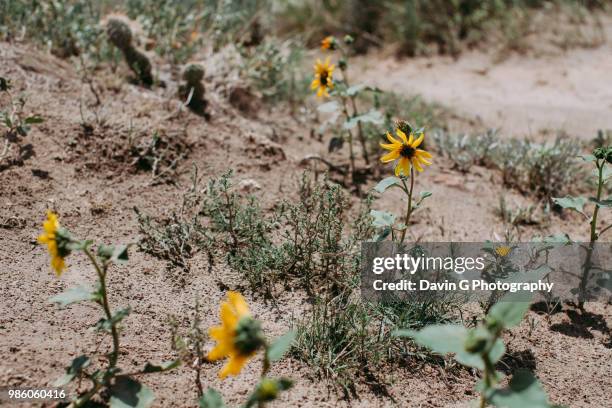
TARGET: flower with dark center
(406,152)
(57,241)
(239,336)
(328,43)
(323,81)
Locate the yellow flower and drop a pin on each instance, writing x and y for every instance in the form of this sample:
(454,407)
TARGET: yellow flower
(238,337)
(406,152)
(50,238)
(328,43)
(503,251)
(323,78)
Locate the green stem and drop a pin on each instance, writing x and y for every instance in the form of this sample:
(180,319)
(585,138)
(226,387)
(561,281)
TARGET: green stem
(101,271)
(82,400)
(594,237)
(409,208)
(360,132)
(489,370)
(350,138)
(600,167)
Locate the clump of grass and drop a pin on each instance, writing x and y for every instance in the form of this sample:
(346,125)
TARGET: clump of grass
(15,124)
(344,338)
(543,170)
(180,236)
(301,241)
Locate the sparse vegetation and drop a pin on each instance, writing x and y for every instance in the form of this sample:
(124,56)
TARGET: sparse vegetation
(15,122)
(544,170)
(208,159)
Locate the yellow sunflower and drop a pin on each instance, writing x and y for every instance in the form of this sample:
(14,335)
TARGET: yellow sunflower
(328,43)
(406,152)
(503,250)
(239,336)
(50,238)
(323,78)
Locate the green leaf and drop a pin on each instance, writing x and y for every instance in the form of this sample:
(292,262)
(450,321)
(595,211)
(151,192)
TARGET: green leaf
(606,173)
(372,116)
(384,233)
(114,253)
(524,390)
(158,368)
(355,89)
(31,120)
(424,195)
(106,324)
(385,183)
(571,203)
(557,239)
(267,390)
(127,392)
(73,295)
(329,107)
(382,218)
(443,339)
(607,203)
(475,360)
(211,399)
(587,157)
(76,367)
(509,310)
(22,130)
(280,346)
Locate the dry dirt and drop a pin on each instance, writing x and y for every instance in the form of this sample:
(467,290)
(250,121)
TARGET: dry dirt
(523,95)
(83,174)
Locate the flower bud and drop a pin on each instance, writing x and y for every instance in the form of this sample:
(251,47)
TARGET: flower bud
(342,64)
(249,336)
(404,126)
(348,39)
(267,390)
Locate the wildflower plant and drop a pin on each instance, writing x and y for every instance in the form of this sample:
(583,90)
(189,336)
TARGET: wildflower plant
(601,158)
(482,347)
(403,150)
(344,101)
(16,124)
(109,382)
(238,339)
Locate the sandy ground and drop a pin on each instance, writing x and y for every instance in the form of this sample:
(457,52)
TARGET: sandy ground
(85,178)
(521,95)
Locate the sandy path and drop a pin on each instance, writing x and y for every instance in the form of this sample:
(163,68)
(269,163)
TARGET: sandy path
(522,95)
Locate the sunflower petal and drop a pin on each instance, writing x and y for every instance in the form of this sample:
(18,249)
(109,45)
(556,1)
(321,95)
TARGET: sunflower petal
(402,136)
(234,365)
(418,142)
(417,165)
(228,316)
(239,304)
(389,157)
(390,146)
(219,352)
(392,139)
(423,153)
